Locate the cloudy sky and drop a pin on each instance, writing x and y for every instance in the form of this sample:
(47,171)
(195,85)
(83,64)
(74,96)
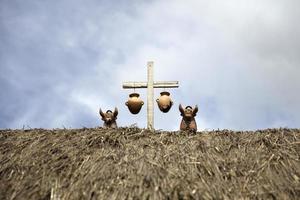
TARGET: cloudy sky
(238,60)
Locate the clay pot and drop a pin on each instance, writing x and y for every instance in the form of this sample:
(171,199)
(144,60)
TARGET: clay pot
(134,103)
(164,102)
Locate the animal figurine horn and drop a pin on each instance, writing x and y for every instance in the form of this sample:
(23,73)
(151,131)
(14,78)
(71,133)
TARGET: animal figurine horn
(188,122)
(109,118)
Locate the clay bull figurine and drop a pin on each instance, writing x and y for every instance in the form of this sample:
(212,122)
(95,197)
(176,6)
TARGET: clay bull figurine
(188,122)
(109,118)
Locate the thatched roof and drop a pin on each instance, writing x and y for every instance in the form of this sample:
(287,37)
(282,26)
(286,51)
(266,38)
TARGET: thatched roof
(131,163)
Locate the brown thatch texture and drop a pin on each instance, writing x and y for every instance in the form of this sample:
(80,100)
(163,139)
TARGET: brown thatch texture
(131,163)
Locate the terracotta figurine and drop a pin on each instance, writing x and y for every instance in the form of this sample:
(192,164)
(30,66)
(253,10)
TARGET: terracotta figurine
(109,118)
(188,122)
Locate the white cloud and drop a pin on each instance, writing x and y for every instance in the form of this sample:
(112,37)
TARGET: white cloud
(236,59)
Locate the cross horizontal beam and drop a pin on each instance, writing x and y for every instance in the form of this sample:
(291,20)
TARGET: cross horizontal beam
(156,84)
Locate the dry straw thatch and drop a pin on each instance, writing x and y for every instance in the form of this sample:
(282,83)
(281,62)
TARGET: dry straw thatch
(132,163)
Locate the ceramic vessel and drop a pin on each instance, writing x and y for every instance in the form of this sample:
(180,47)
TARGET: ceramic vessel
(164,102)
(134,103)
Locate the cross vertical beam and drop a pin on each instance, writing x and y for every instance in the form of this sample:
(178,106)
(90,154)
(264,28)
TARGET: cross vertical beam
(150,97)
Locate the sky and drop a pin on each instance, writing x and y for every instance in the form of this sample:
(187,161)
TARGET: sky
(238,60)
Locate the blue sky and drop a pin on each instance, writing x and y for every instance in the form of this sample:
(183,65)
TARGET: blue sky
(62,60)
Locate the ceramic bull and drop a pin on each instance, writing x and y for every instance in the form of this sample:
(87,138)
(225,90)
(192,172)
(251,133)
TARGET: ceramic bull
(188,122)
(109,118)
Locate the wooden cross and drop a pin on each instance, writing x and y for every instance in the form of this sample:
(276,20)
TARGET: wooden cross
(150,85)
